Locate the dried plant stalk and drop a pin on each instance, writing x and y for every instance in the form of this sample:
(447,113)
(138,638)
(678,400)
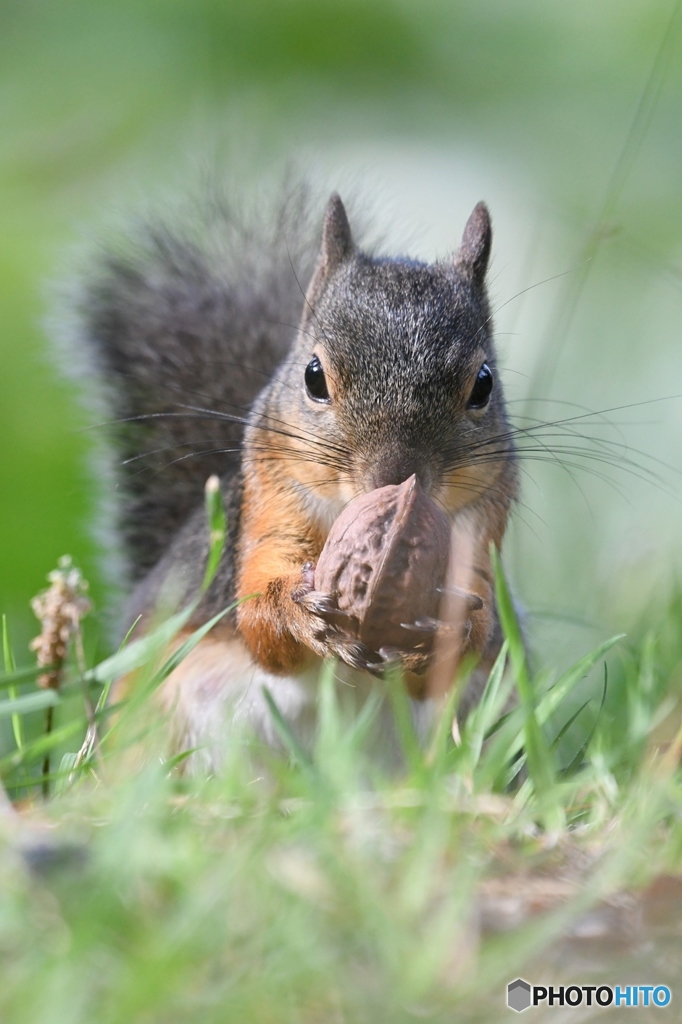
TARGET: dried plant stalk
(60,609)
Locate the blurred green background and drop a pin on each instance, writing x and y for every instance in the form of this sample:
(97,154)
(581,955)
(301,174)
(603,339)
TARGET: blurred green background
(565,118)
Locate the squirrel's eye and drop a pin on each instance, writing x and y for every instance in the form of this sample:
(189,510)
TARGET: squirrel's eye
(480,393)
(315,381)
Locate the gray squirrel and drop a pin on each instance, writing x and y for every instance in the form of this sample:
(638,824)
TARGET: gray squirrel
(301,372)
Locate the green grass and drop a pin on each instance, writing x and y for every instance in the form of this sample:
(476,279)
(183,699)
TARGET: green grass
(307,884)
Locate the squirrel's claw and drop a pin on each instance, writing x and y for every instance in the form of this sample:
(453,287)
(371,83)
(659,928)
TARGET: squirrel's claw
(366,661)
(306,583)
(315,601)
(351,651)
(416,661)
(425,627)
(334,631)
(474,602)
(324,606)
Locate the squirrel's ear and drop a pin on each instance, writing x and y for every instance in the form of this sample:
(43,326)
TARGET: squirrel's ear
(337,243)
(337,246)
(474,252)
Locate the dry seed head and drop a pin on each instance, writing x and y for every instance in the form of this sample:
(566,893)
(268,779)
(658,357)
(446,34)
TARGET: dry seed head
(60,609)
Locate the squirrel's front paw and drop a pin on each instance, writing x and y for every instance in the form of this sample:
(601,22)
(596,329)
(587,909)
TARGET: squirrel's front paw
(414,652)
(332,631)
(329,630)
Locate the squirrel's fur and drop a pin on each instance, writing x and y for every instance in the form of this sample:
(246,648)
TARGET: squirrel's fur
(194,312)
(203,339)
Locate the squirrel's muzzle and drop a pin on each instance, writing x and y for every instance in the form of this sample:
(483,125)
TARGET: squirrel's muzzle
(395,468)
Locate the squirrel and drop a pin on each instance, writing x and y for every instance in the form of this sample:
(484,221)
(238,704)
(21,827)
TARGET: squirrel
(300,391)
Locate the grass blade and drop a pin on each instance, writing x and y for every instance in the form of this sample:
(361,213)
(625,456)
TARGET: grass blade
(12,691)
(179,655)
(538,752)
(36,749)
(580,754)
(285,733)
(141,651)
(509,740)
(217,529)
(404,722)
(29,702)
(482,719)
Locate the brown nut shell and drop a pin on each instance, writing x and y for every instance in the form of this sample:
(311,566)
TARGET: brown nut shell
(385,558)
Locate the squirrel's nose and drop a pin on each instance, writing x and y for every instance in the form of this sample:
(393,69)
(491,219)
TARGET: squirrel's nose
(395,469)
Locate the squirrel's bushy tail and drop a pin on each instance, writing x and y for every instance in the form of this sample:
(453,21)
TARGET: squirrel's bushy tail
(182,325)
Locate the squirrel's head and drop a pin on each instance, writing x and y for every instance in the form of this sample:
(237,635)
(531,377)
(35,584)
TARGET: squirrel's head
(397,369)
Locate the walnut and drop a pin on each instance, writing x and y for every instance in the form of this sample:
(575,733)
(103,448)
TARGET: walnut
(384,561)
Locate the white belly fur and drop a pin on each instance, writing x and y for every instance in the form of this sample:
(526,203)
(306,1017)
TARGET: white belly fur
(217,691)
